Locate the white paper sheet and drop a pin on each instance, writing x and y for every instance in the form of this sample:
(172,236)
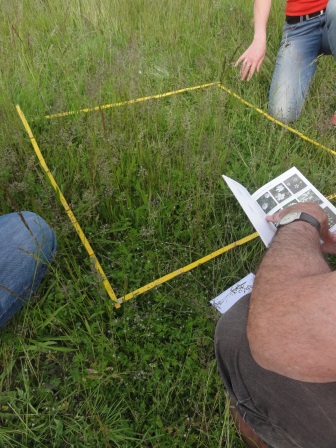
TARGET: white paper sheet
(229,297)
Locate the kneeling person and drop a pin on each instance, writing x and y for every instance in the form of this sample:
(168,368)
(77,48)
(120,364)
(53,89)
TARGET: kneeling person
(276,349)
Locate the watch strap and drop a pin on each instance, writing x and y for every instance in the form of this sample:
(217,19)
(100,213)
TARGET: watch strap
(305,217)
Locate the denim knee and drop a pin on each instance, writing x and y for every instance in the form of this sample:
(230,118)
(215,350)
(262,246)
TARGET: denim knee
(27,247)
(44,235)
(283,115)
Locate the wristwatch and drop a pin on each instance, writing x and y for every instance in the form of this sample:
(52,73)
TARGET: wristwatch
(299,216)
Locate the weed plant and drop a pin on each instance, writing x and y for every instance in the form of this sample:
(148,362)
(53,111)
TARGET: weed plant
(144,182)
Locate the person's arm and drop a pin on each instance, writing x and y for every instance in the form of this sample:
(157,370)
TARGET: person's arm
(292,318)
(253,57)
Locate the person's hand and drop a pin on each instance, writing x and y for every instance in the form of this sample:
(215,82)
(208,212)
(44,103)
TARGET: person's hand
(252,59)
(328,238)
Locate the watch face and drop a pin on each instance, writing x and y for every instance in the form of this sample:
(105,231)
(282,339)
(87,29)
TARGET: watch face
(289,218)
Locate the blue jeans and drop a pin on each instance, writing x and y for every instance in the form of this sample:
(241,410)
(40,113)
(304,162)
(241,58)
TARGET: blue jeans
(27,246)
(296,62)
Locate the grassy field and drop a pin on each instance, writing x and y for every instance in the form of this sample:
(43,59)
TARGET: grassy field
(144,181)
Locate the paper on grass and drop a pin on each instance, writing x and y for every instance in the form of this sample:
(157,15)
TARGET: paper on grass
(229,297)
(289,188)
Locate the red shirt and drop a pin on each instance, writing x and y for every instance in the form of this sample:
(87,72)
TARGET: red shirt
(303,7)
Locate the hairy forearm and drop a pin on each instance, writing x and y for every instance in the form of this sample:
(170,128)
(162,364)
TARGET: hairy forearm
(291,325)
(294,252)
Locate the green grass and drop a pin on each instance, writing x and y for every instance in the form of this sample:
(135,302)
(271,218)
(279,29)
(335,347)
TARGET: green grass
(144,181)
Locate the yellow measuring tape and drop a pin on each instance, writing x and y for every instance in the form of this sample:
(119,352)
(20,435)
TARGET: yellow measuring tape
(71,216)
(125,103)
(188,89)
(194,265)
(77,227)
(189,267)
(269,117)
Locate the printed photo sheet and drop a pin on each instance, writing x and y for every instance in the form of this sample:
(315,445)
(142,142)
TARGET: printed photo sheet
(287,189)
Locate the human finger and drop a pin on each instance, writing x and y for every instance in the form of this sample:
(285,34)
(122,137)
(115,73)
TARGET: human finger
(251,72)
(245,69)
(273,218)
(330,246)
(240,59)
(327,236)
